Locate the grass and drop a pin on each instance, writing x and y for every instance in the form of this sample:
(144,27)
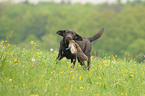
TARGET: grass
(34,73)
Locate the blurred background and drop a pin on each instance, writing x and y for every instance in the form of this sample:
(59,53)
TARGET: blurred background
(38,21)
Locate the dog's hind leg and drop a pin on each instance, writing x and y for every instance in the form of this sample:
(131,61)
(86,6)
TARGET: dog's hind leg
(88,63)
(73,61)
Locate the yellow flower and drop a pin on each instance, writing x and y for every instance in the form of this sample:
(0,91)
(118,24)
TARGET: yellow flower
(56,94)
(108,57)
(122,93)
(8,53)
(71,71)
(80,77)
(61,72)
(6,41)
(9,45)
(97,83)
(98,95)
(105,64)
(42,75)
(23,85)
(81,87)
(131,75)
(100,78)
(71,85)
(37,53)
(73,77)
(15,60)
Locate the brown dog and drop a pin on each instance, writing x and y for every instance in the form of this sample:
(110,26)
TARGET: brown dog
(84,43)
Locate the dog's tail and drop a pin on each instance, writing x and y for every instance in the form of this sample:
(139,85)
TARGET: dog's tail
(98,35)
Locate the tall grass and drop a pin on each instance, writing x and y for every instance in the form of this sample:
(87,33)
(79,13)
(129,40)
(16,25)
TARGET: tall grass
(34,72)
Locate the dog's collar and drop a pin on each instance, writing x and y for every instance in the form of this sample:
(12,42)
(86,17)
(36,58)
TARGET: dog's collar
(67,48)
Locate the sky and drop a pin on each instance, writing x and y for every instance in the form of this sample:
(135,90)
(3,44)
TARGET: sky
(73,1)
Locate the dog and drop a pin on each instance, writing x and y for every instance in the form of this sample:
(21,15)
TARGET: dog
(84,43)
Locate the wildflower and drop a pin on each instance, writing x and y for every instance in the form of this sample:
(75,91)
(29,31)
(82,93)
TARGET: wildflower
(98,94)
(73,77)
(42,75)
(52,72)
(105,64)
(80,77)
(33,60)
(81,87)
(37,53)
(131,75)
(10,80)
(130,72)
(71,85)
(23,85)
(100,78)
(61,72)
(122,93)
(51,49)
(56,94)
(108,57)
(15,60)
(6,41)
(71,71)
(97,83)
(8,53)
(9,45)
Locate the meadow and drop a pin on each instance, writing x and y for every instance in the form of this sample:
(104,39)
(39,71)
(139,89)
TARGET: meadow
(34,72)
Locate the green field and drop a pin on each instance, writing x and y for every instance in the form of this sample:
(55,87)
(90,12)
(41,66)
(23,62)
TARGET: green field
(33,72)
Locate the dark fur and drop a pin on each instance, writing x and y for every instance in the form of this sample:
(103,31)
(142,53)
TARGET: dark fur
(84,43)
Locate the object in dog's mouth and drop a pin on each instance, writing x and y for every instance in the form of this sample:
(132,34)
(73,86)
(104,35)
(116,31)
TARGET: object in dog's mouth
(75,49)
(72,47)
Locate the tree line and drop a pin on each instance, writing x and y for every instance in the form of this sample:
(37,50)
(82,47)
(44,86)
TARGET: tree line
(124,33)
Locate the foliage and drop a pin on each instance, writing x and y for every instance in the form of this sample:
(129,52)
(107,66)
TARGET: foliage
(123,23)
(33,72)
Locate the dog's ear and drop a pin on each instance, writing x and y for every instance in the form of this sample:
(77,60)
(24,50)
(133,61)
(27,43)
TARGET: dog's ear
(60,32)
(78,37)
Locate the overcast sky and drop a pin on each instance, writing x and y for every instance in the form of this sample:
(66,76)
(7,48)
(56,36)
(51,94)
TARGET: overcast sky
(73,1)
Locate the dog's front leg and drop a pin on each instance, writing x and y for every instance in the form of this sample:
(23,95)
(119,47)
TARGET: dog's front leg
(89,62)
(60,56)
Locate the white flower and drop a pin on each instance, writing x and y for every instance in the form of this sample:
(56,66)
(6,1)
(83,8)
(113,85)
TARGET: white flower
(33,60)
(32,42)
(10,80)
(51,49)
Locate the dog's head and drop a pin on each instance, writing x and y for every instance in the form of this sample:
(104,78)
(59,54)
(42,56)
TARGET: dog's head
(69,35)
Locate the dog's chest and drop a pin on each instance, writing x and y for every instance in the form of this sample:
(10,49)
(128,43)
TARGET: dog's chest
(68,54)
